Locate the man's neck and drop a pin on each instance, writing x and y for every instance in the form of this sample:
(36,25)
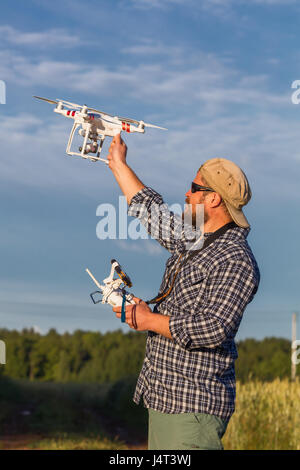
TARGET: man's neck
(213,225)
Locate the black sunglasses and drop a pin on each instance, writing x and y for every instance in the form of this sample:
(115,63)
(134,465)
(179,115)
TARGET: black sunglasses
(196,187)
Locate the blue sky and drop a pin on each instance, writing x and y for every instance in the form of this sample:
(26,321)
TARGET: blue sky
(216,73)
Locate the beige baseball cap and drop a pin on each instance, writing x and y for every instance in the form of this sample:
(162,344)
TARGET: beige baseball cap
(227,179)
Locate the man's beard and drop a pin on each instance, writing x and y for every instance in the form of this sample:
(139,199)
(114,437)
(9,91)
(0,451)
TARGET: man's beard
(190,216)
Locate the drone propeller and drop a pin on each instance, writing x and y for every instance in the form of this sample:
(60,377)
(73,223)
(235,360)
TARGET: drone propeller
(67,103)
(100,112)
(46,99)
(112,118)
(156,127)
(57,101)
(131,121)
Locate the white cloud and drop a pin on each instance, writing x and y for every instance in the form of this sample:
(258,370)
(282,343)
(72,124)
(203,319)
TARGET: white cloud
(215,6)
(40,159)
(147,47)
(218,6)
(158,4)
(261,143)
(256,136)
(274,2)
(224,9)
(203,78)
(210,107)
(38,39)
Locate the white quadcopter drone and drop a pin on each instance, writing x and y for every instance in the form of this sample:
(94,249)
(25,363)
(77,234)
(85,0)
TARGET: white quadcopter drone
(94,126)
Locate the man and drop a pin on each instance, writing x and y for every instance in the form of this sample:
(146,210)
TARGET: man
(188,379)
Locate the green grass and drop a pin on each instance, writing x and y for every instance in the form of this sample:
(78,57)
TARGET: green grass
(267,417)
(81,415)
(73,441)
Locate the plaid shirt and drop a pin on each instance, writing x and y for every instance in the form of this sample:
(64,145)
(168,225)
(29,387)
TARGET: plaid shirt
(194,372)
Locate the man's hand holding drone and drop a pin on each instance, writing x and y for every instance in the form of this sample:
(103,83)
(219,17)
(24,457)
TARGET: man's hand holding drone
(138,316)
(117,152)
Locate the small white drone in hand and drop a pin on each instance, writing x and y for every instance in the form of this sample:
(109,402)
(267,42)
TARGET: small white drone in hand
(112,291)
(94,126)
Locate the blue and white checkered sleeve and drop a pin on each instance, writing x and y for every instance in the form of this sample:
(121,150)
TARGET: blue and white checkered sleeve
(231,287)
(161,223)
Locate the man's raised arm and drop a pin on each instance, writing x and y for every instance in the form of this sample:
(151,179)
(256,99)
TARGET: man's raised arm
(168,228)
(125,176)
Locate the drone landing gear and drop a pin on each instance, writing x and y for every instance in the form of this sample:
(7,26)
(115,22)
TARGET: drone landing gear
(100,145)
(94,146)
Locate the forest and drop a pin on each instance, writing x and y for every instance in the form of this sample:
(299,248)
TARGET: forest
(93,357)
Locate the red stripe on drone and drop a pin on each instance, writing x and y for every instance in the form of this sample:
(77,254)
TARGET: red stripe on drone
(68,112)
(73,113)
(125,127)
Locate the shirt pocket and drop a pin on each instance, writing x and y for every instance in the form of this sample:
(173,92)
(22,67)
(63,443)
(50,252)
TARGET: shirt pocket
(190,286)
(193,275)
(196,274)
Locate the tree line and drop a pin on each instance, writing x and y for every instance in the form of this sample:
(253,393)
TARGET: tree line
(93,357)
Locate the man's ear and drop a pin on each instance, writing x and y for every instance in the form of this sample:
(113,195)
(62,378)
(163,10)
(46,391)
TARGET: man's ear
(216,200)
